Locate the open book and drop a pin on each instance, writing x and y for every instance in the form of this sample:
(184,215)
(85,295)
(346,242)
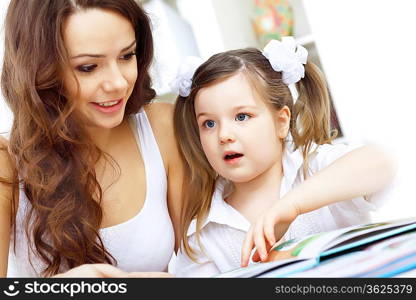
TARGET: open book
(360,250)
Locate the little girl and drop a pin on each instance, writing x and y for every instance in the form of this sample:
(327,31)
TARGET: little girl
(260,166)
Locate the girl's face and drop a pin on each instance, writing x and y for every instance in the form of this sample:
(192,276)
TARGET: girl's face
(240,134)
(101,46)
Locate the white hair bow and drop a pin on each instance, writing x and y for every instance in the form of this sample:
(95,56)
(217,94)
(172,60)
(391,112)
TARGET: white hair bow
(182,83)
(284,57)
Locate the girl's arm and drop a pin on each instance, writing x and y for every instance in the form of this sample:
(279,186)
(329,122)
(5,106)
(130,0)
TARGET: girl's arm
(360,172)
(6,194)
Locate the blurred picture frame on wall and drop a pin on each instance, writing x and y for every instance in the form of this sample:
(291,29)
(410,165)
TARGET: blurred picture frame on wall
(272,19)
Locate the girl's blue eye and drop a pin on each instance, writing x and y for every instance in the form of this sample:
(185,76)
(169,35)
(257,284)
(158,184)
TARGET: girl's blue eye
(242,117)
(87,68)
(128,56)
(209,124)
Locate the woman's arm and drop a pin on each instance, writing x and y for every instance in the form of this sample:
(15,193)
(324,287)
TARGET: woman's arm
(175,187)
(6,194)
(161,118)
(360,172)
(106,271)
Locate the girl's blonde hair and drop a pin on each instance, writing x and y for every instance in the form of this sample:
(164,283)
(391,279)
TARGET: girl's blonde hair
(310,121)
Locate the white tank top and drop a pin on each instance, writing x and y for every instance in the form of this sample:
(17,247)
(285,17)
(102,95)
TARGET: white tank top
(142,243)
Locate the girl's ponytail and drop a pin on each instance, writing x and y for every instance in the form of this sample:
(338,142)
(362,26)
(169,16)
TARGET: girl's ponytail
(311,112)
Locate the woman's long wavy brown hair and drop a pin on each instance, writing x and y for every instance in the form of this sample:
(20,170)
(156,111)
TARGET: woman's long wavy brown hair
(309,123)
(50,148)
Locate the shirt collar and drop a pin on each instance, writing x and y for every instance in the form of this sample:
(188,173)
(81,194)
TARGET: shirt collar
(292,161)
(221,212)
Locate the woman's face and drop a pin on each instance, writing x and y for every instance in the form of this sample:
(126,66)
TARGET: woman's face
(101,45)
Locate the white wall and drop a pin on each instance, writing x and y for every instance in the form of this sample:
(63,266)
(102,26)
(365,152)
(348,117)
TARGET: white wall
(234,18)
(170,47)
(367,49)
(219,25)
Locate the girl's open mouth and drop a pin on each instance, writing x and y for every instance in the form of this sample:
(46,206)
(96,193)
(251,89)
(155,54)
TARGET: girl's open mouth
(232,158)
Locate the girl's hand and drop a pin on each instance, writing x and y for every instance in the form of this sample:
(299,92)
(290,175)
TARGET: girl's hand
(268,228)
(106,271)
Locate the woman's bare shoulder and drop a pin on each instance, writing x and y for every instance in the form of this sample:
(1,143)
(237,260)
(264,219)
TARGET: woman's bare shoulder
(6,165)
(5,160)
(160,114)
(161,119)
(6,173)
(3,142)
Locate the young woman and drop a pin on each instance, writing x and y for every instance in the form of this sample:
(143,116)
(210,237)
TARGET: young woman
(90,175)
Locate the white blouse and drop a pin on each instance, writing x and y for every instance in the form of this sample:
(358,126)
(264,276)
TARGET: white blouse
(224,229)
